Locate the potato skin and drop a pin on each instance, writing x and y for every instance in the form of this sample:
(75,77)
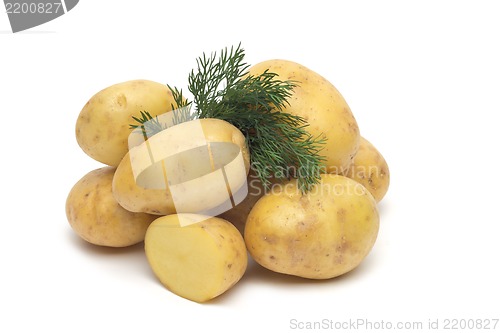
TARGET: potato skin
(320,235)
(321,104)
(135,198)
(370,169)
(102,127)
(199,261)
(95,216)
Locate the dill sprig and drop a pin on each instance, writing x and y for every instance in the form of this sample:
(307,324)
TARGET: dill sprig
(279,143)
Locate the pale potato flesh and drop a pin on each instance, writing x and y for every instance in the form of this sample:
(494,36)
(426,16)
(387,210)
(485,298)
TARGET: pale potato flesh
(198,261)
(370,169)
(323,107)
(103,125)
(320,235)
(95,216)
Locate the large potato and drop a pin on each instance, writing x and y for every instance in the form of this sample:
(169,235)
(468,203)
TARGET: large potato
(102,128)
(370,169)
(324,108)
(96,217)
(193,168)
(199,261)
(320,235)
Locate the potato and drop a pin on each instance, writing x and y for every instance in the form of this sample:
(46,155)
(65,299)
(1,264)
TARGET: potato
(96,217)
(370,169)
(320,235)
(320,103)
(199,261)
(185,174)
(102,128)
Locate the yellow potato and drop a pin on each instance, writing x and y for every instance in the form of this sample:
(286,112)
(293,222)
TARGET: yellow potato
(96,217)
(191,179)
(199,261)
(320,235)
(102,128)
(370,169)
(324,108)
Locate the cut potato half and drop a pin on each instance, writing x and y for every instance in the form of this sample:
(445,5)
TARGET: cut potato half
(198,261)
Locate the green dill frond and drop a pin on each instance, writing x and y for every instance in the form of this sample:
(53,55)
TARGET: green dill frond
(279,143)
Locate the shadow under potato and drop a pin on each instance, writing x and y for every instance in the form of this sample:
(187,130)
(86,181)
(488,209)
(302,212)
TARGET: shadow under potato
(257,273)
(99,250)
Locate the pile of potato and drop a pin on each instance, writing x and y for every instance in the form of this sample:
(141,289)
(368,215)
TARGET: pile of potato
(319,235)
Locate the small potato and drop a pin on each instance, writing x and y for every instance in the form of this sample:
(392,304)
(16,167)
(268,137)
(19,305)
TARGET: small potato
(96,217)
(370,169)
(102,128)
(190,180)
(320,235)
(198,261)
(323,107)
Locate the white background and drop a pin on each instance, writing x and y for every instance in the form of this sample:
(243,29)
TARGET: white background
(422,79)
